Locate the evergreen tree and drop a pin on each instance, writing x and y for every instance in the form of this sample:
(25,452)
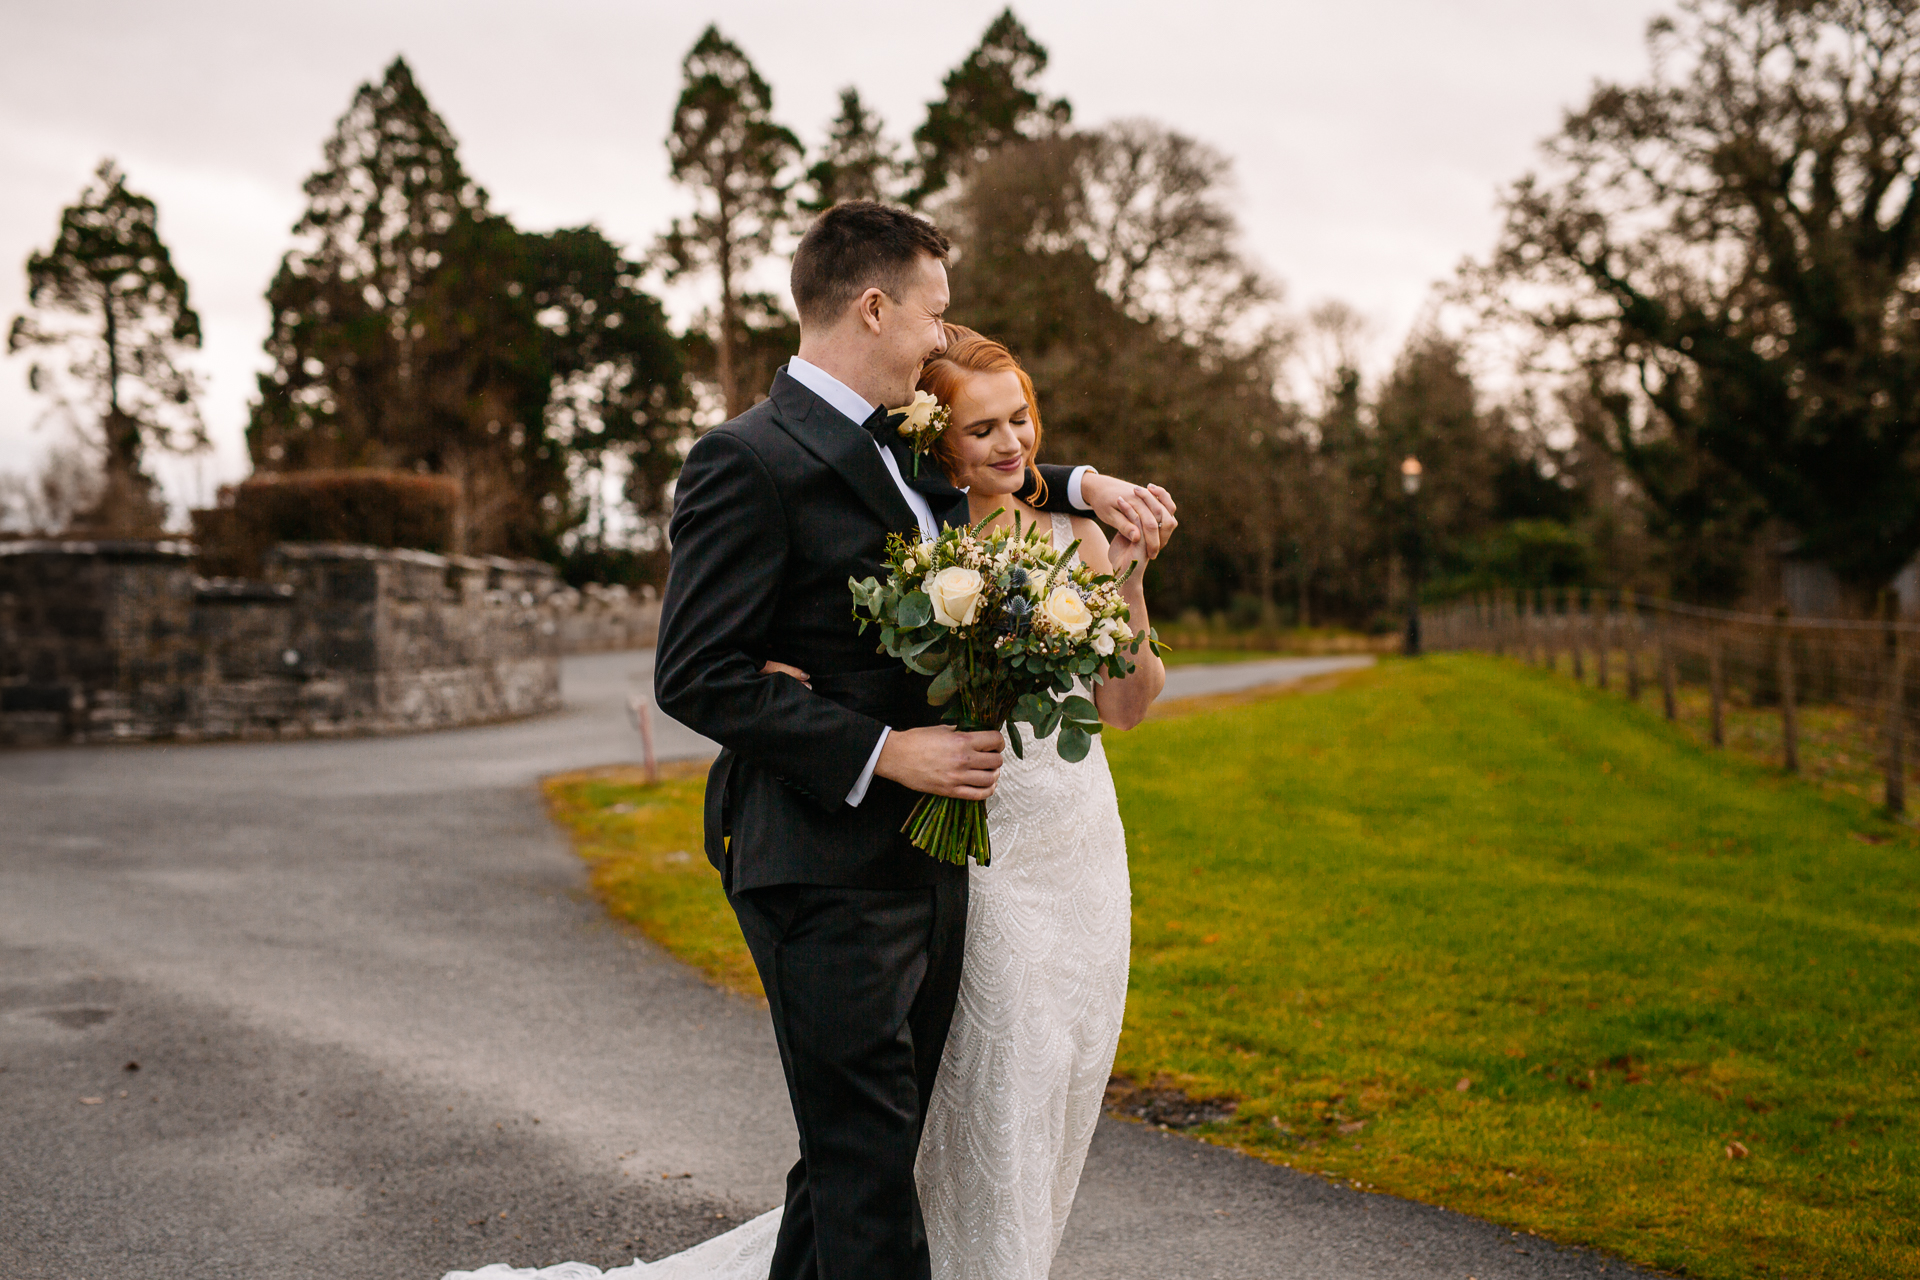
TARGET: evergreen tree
(857,162)
(990,100)
(617,391)
(107,299)
(726,146)
(348,383)
(415,329)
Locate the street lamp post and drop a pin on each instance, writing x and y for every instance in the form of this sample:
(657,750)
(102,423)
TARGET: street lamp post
(1410,481)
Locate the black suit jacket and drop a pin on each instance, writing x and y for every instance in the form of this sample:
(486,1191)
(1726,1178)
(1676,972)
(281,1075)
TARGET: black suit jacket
(773,512)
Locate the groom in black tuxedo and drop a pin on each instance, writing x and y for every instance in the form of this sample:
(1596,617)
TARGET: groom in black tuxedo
(857,935)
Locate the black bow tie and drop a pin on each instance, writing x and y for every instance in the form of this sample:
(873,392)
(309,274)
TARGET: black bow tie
(880,423)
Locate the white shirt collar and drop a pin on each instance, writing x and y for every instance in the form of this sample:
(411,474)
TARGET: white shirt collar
(831,389)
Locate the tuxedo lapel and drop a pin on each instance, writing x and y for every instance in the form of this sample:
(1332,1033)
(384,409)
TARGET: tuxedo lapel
(845,446)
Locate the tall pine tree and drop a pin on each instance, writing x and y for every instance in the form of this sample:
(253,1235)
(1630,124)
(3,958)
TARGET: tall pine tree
(858,161)
(726,147)
(990,99)
(348,383)
(413,328)
(110,315)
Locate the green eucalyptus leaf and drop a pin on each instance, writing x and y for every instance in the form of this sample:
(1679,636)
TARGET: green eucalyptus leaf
(944,686)
(1050,721)
(916,610)
(1080,711)
(1013,740)
(1075,742)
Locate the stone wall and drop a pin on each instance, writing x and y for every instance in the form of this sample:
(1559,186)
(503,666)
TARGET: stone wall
(597,619)
(110,641)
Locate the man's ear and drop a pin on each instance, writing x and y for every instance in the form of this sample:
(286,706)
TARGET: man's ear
(868,309)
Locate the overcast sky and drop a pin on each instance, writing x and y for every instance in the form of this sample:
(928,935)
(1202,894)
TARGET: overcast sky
(1369,137)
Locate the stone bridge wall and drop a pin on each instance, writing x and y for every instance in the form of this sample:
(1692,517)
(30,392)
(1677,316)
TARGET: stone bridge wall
(121,641)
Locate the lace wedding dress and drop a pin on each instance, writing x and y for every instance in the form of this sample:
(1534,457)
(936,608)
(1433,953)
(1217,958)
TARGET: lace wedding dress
(1025,1069)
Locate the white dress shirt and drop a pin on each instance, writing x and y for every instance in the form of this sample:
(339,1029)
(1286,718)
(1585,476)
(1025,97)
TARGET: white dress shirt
(853,406)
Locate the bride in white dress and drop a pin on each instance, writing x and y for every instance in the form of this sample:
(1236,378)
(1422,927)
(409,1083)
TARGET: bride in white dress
(1044,981)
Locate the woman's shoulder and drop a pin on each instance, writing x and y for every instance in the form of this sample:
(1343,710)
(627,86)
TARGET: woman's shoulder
(1093,542)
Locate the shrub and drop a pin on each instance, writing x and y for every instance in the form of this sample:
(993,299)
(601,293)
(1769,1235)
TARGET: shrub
(365,506)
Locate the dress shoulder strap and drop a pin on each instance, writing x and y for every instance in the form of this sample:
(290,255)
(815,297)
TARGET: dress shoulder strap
(1062,531)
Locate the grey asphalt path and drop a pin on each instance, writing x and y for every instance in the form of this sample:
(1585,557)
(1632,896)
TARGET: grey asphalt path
(345,1009)
(1232,677)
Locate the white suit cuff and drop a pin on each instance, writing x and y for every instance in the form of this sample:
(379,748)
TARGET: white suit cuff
(859,792)
(1074,496)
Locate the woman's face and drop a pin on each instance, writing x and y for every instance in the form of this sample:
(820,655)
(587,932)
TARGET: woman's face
(992,433)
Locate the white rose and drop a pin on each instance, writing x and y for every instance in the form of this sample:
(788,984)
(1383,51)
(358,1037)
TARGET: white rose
(955,592)
(918,415)
(1103,644)
(1067,612)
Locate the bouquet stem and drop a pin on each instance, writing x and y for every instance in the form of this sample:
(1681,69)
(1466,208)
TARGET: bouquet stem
(950,829)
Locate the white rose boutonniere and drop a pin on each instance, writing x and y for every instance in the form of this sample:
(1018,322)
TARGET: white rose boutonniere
(1067,611)
(921,423)
(955,592)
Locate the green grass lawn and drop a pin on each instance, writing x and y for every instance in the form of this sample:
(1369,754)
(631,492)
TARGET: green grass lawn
(1466,932)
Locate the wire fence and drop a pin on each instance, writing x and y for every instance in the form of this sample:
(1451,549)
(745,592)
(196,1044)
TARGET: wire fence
(1656,647)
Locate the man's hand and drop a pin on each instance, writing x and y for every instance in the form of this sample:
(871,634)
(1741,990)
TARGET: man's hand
(1145,515)
(939,760)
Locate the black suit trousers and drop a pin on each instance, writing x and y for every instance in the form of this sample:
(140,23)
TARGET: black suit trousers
(862,985)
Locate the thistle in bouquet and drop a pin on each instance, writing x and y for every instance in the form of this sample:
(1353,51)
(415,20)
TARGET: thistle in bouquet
(1005,624)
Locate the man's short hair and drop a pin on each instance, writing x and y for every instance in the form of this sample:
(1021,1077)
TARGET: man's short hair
(856,246)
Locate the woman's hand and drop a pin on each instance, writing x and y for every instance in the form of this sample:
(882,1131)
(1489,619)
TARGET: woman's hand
(1137,512)
(1131,550)
(785,670)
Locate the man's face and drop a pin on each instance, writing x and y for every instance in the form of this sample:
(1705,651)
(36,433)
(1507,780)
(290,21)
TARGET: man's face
(912,330)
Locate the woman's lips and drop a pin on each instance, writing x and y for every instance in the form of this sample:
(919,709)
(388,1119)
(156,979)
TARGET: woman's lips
(1009,466)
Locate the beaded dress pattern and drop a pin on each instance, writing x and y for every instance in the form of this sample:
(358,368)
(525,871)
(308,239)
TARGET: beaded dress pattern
(1041,997)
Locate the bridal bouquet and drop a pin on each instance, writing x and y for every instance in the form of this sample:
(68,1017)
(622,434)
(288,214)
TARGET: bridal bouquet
(1004,623)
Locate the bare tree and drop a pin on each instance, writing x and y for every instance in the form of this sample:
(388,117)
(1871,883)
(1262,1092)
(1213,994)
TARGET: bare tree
(1155,216)
(70,484)
(1729,253)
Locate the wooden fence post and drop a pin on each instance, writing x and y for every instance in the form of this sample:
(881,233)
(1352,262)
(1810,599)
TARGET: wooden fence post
(1603,630)
(1666,667)
(1552,631)
(1717,685)
(1632,619)
(1896,726)
(1577,620)
(1789,718)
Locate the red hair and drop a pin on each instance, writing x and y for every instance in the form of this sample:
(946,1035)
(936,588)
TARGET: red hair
(967,353)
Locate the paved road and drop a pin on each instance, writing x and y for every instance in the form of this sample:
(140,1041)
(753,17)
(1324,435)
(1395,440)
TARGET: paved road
(344,1009)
